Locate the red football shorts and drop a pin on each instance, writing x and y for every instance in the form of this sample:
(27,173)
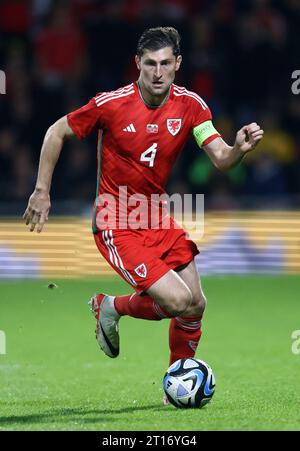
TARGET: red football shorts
(142,257)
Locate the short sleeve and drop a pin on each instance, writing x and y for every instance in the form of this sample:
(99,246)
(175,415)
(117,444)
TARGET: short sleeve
(86,119)
(201,112)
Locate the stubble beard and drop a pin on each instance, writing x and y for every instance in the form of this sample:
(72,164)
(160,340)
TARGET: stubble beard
(160,93)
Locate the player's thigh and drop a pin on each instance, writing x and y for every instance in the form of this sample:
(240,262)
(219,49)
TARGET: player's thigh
(171,293)
(190,276)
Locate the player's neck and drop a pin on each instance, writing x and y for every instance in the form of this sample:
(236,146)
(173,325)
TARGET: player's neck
(152,101)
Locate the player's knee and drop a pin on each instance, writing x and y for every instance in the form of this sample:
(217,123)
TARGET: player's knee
(198,305)
(180,302)
(201,304)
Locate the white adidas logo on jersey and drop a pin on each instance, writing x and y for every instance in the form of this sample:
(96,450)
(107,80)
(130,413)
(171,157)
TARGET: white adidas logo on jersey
(129,128)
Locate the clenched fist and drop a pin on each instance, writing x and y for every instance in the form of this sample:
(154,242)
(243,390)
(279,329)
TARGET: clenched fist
(248,137)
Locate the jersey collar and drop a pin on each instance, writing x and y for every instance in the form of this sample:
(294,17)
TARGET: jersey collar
(153,107)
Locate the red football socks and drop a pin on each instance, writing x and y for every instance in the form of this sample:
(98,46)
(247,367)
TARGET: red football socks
(142,307)
(184,336)
(184,332)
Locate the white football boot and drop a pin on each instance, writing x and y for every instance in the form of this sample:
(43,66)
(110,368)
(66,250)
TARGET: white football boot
(107,319)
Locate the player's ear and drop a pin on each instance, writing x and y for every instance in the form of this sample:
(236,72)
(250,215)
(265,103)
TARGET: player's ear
(178,62)
(138,62)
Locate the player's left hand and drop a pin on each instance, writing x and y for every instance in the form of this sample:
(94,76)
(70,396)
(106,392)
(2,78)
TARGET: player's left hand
(248,137)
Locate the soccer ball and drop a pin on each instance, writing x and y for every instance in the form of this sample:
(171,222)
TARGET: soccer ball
(189,383)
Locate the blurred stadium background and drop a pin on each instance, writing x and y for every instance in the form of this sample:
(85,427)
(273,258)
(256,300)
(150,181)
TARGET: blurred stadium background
(238,55)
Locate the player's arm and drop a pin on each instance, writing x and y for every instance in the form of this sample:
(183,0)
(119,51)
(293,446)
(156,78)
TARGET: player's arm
(39,202)
(222,155)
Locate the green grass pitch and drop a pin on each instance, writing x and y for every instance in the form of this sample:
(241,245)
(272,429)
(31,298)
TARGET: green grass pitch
(54,377)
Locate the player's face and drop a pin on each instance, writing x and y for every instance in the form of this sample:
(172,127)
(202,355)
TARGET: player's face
(157,70)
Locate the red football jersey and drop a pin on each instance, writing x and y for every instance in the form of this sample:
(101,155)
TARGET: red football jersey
(138,144)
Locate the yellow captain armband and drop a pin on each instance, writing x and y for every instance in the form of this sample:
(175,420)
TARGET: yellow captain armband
(204,131)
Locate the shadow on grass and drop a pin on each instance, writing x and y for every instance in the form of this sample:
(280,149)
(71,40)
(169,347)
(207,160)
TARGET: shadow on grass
(80,415)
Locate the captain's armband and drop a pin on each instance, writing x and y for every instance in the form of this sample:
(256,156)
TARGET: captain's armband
(204,131)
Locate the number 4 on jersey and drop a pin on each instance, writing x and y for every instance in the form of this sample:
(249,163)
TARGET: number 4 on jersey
(149,155)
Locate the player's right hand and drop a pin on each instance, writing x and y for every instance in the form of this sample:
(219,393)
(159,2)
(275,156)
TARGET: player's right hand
(37,210)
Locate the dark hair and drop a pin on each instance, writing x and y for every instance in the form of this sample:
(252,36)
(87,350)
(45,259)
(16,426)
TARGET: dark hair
(158,38)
